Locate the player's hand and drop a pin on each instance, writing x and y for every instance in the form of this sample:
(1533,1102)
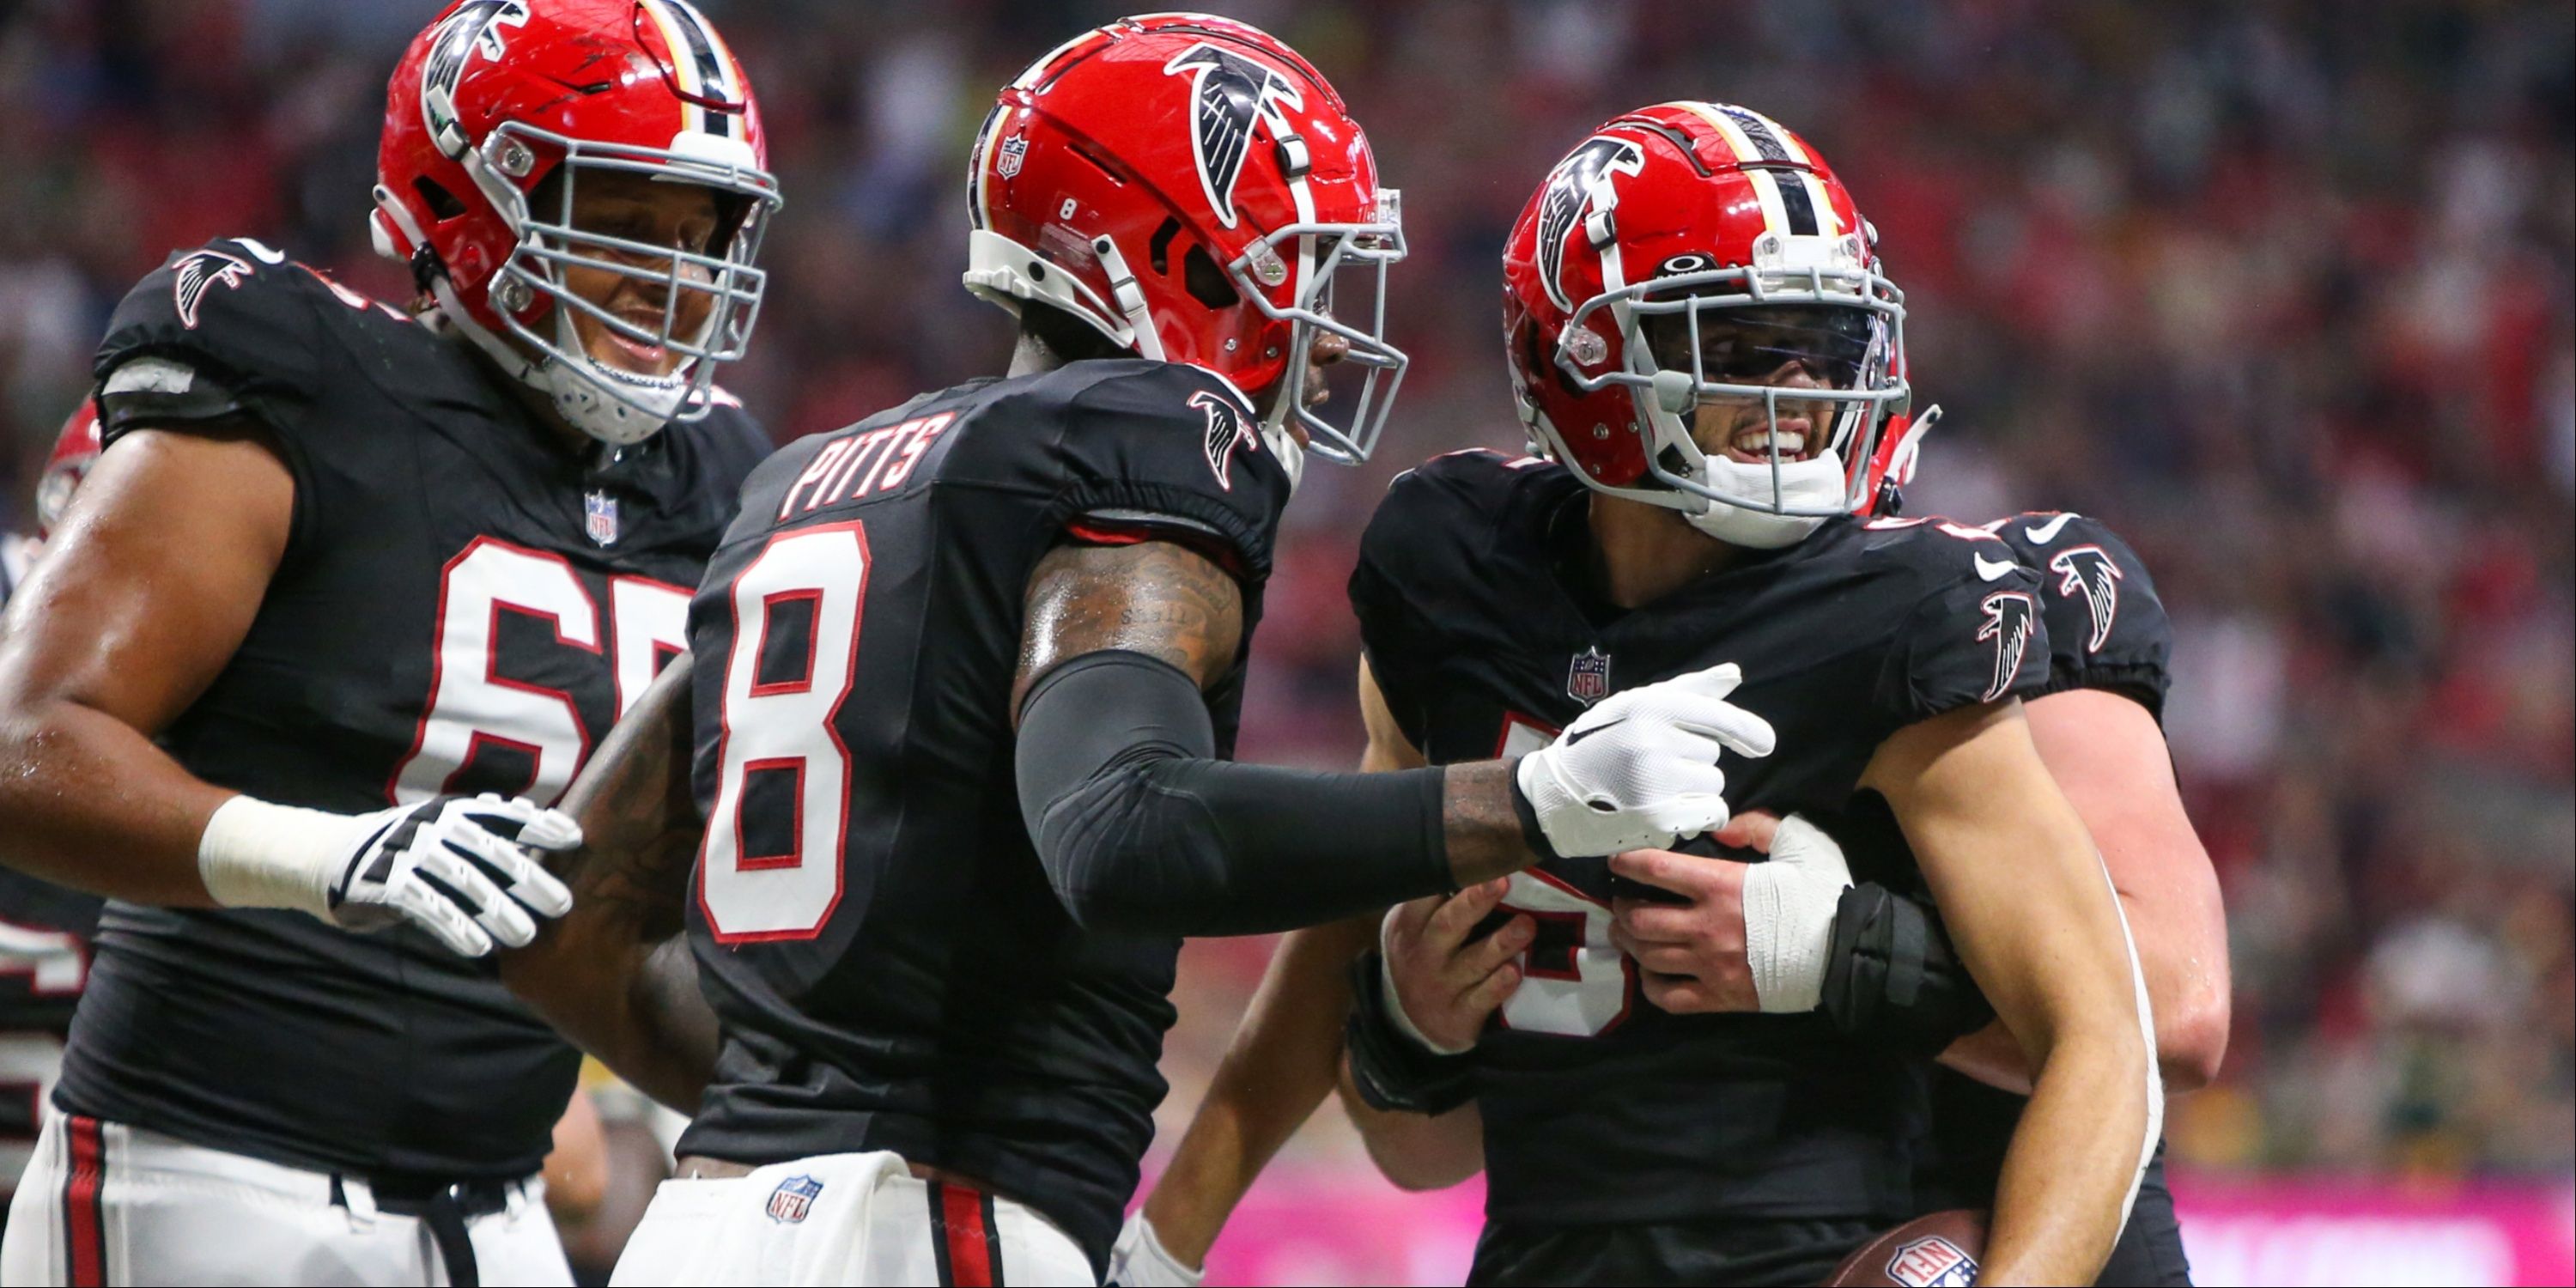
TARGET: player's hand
(1752,936)
(1443,985)
(1640,770)
(459,868)
(1139,1260)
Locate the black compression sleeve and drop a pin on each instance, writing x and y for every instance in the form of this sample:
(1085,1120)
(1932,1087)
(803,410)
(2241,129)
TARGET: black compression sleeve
(1142,829)
(1892,975)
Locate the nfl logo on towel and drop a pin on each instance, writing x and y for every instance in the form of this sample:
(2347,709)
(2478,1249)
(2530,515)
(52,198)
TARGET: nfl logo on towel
(793,1199)
(1932,1263)
(1589,679)
(599,518)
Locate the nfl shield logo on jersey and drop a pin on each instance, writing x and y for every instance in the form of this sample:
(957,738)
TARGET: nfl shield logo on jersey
(1932,1262)
(599,517)
(793,1200)
(1589,679)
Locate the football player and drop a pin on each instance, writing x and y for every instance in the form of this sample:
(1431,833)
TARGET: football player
(344,575)
(962,693)
(1702,340)
(44,929)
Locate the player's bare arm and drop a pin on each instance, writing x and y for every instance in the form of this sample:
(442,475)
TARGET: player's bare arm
(140,602)
(144,600)
(2109,756)
(2106,753)
(1143,828)
(615,974)
(2042,934)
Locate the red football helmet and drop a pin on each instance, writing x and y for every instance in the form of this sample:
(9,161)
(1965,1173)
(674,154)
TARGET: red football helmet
(75,450)
(1189,187)
(1712,234)
(497,96)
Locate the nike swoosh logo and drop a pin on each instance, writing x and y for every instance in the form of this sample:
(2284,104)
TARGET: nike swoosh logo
(2043,533)
(1581,734)
(1990,569)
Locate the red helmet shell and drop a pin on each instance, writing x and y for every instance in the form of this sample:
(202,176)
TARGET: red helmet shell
(75,450)
(644,74)
(1183,140)
(1674,188)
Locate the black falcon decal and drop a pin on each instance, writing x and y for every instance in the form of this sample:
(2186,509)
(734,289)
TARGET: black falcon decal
(1569,198)
(2010,615)
(1225,432)
(198,274)
(2087,571)
(1230,92)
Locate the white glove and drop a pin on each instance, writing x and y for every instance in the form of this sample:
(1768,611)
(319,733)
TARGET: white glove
(1789,907)
(1640,770)
(455,867)
(1139,1260)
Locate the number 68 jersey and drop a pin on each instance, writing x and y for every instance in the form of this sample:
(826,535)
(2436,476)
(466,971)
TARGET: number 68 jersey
(465,604)
(1472,591)
(871,921)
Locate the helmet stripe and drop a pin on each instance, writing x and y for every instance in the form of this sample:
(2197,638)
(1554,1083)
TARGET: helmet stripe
(684,67)
(696,62)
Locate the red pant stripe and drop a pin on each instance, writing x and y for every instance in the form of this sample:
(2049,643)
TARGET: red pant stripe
(84,1218)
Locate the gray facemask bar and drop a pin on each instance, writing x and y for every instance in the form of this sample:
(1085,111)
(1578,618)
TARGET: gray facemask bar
(734,285)
(1357,246)
(1672,393)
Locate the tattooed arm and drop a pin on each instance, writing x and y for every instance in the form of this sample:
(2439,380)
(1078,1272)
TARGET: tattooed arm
(1144,829)
(615,974)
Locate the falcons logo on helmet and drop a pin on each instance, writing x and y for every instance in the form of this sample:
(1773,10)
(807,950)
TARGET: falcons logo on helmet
(1230,92)
(2087,571)
(1571,188)
(471,28)
(2010,615)
(1225,432)
(198,274)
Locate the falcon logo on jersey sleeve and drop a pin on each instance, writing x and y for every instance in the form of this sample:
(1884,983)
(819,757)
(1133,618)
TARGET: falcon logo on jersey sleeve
(197,274)
(1571,189)
(2087,571)
(1225,432)
(1232,92)
(2010,615)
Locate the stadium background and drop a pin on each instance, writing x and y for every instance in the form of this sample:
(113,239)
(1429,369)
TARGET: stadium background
(2281,291)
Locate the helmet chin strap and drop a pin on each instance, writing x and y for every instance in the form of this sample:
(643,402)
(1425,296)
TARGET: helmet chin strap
(572,393)
(1815,485)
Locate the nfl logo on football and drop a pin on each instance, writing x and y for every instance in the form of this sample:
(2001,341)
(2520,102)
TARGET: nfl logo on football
(599,518)
(793,1200)
(1925,1263)
(1589,679)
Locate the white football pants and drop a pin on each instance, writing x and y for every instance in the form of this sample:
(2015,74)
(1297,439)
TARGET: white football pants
(104,1203)
(842,1219)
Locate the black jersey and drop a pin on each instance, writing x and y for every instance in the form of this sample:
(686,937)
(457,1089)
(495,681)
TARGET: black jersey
(1480,630)
(2107,630)
(465,604)
(873,924)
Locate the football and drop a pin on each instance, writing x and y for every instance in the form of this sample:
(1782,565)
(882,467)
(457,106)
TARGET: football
(1940,1248)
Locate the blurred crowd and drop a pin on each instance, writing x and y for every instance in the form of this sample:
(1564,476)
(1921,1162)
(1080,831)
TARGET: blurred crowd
(2281,291)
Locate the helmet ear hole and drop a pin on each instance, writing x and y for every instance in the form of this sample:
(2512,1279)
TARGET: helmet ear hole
(1159,249)
(1206,282)
(442,204)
